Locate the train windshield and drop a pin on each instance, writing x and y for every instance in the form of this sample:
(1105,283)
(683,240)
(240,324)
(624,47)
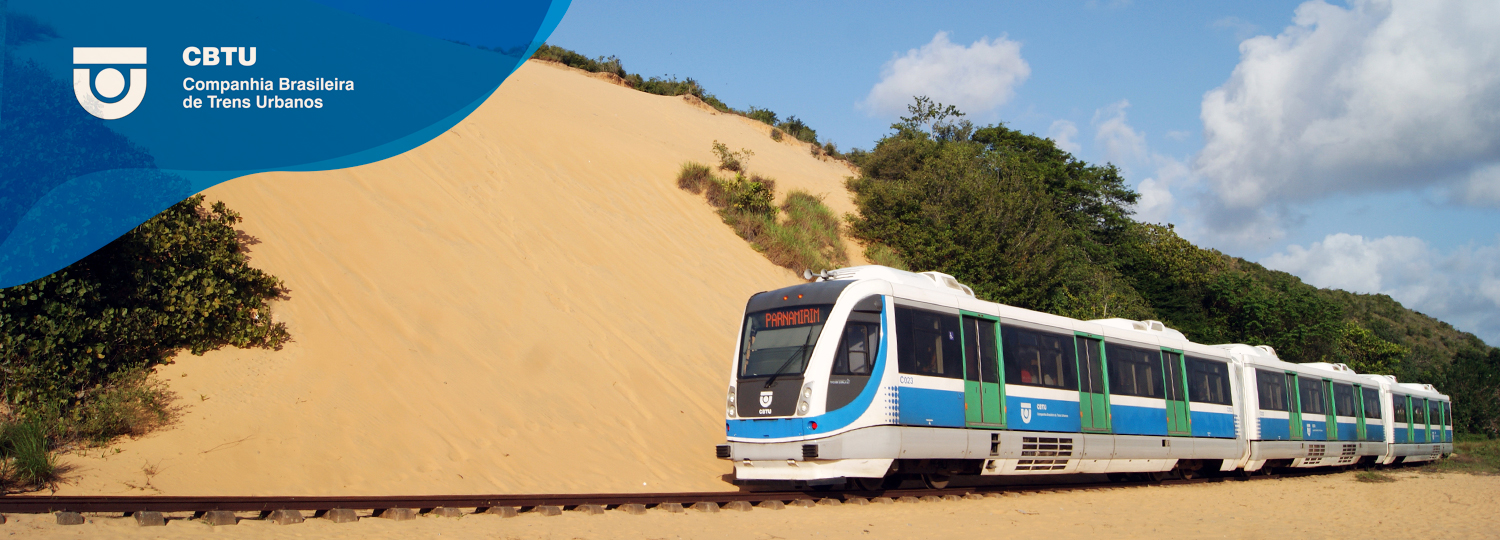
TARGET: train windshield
(778,342)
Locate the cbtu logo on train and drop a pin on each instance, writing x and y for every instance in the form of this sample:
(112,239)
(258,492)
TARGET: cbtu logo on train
(1026,413)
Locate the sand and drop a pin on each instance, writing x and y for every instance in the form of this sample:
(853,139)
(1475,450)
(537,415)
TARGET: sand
(525,304)
(1332,506)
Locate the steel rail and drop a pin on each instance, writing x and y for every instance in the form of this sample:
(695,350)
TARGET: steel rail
(40,504)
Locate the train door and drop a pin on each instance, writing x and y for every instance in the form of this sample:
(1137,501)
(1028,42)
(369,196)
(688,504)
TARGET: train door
(1093,386)
(984,394)
(1423,423)
(1331,432)
(1359,413)
(1411,420)
(1175,385)
(1293,407)
(1447,421)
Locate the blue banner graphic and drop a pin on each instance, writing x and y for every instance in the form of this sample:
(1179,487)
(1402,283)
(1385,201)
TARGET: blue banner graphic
(110,112)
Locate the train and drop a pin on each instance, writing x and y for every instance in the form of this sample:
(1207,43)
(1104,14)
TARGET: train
(871,376)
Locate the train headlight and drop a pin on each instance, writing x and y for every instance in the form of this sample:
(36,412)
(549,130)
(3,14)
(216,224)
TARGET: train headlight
(803,405)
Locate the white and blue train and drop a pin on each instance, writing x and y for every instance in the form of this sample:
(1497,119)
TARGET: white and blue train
(871,375)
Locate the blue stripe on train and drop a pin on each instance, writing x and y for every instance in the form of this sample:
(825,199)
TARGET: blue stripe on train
(1419,435)
(1032,414)
(1131,420)
(1400,435)
(1212,424)
(765,428)
(1313,430)
(1348,431)
(928,407)
(1275,429)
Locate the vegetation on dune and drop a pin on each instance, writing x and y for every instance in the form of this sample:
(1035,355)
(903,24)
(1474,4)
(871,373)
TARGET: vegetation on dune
(77,347)
(1025,223)
(808,236)
(671,86)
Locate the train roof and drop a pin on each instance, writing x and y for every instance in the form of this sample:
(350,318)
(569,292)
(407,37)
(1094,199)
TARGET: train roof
(1147,331)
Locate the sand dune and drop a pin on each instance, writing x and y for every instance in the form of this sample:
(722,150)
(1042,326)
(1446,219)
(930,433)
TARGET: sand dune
(525,304)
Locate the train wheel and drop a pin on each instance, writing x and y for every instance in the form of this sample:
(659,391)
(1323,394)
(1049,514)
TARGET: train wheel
(1117,477)
(892,481)
(936,481)
(867,484)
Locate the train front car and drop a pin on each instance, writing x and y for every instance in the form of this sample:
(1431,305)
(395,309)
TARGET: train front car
(805,401)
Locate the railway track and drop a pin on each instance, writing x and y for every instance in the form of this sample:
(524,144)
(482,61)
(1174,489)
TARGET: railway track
(290,509)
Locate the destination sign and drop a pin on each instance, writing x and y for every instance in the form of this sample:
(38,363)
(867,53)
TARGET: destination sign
(793,317)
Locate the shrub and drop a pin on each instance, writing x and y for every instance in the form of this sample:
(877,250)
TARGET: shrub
(694,176)
(763,115)
(181,280)
(777,134)
(750,197)
(24,450)
(132,404)
(796,128)
(732,161)
(807,239)
(769,183)
(603,64)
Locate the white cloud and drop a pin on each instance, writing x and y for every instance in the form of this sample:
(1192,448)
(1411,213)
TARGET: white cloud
(1179,134)
(1122,144)
(1062,133)
(1382,95)
(977,79)
(1461,287)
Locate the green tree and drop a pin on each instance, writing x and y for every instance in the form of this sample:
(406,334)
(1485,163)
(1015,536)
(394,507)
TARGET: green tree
(986,205)
(1362,350)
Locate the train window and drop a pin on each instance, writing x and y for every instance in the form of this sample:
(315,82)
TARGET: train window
(1272,386)
(1208,381)
(928,343)
(1418,416)
(1311,392)
(1090,365)
(1034,358)
(1372,403)
(779,341)
(1447,413)
(1400,405)
(1435,413)
(979,350)
(1134,372)
(856,354)
(1343,399)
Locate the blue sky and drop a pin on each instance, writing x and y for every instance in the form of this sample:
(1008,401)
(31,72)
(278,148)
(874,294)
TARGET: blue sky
(1356,145)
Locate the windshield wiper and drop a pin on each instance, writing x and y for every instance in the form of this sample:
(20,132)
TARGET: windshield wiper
(805,344)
